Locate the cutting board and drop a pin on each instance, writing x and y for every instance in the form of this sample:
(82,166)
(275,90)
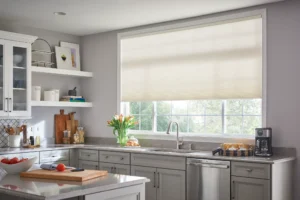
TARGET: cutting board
(60,125)
(66,175)
(72,125)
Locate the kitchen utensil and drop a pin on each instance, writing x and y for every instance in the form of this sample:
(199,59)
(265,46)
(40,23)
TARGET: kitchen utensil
(49,95)
(14,140)
(18,167)
(263,142)
(77,170)
(60,126)
(72,92)
(66,175)
(36,93)
(10,130)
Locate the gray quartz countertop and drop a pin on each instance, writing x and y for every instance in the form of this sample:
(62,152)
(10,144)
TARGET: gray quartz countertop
(43,189)
(156,151)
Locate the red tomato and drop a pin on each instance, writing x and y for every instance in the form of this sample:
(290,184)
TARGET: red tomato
(60,167)
(5,160)
(14,160)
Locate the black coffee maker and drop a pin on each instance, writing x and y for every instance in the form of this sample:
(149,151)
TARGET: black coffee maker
(263,142)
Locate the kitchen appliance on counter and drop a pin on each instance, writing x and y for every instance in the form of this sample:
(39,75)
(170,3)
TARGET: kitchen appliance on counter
(263,142)
(208,179)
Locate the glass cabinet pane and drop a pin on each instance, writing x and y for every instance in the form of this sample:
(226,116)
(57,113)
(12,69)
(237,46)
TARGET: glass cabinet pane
(1,77)
(19,78)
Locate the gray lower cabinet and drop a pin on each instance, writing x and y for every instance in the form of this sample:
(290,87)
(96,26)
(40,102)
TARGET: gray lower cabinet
(88,164)
(170,184)
(165,184)
(249,188)
(150,173)
(115,168)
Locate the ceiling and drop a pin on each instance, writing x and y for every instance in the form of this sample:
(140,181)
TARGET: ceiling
(93,16)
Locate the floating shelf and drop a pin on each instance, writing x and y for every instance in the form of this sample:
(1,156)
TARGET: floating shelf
(61,104)
(61,72)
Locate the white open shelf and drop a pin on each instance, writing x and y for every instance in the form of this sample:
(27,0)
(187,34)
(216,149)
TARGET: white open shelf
(61,104)
(62,72)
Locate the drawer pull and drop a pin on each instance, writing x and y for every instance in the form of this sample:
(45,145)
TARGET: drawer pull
(106,157)
(249,170)
(122,158)
(88,155)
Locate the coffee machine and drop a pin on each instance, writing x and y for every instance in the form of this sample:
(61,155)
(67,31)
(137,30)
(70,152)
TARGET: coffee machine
(263,142)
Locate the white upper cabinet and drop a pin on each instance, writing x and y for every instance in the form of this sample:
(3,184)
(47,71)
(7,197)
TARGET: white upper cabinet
(15,74)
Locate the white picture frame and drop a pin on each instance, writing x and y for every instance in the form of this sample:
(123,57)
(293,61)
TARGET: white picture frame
(75,53)
(63,58)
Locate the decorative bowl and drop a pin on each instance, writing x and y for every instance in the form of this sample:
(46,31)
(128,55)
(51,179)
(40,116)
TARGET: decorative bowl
(18,167)
(17,59)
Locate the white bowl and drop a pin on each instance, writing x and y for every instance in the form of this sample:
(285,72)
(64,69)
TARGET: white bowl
(18,167)
(17,59)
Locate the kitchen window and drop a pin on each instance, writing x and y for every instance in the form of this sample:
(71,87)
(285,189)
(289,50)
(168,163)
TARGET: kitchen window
(208,75)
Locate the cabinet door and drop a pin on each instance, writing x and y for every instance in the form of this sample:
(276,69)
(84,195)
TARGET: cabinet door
(249,188)
(122,169)
(107,166)
(20,80)
(88,164)
(4,62)
(171,184)
(150,173)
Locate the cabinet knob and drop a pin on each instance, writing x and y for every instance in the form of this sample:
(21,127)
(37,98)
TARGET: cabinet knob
(106,157)
(249,170)
(122,158)
(89,155)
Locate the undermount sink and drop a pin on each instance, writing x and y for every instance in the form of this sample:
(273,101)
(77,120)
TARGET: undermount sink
(173,150)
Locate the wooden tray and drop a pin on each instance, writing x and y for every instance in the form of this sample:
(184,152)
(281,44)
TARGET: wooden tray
(67,175)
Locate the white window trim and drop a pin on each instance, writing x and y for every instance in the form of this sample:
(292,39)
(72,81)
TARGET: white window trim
(190,23)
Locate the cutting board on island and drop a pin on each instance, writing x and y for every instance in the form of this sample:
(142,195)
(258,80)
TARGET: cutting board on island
(66,175)
(60,125)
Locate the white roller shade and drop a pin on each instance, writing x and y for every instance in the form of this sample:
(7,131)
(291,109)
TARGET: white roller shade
(219,61)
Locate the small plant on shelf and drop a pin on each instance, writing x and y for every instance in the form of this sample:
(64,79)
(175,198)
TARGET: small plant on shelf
(120,125)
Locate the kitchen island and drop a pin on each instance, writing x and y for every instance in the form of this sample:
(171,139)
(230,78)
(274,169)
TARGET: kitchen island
(112,186)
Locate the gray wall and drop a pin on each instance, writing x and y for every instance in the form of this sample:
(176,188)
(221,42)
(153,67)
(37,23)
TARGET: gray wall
(43,118)
(99,54)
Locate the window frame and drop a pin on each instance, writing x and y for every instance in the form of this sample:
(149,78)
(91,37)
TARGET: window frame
(190,23)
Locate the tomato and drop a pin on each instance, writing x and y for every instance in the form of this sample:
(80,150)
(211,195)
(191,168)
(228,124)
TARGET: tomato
(14,160)
(60,167)
(5,160)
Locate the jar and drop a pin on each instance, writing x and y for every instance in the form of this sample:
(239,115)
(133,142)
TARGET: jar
(80,132)
(76,138)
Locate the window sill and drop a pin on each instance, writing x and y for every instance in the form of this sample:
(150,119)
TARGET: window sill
(193,138)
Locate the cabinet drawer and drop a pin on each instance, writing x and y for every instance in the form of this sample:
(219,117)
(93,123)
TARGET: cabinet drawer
(252,170)
(114,157)
(54,156)
(88,165)
(115,168)
(86,154)
(169,162)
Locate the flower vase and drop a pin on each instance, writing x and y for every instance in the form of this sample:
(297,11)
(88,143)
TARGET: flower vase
(122,137)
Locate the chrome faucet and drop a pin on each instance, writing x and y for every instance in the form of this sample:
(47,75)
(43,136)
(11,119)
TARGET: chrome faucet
(178,143)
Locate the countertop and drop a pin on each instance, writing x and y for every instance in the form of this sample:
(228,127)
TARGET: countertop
(41,189)
(148,150)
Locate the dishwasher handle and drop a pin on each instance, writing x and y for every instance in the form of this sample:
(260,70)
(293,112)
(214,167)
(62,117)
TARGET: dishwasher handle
(210,165)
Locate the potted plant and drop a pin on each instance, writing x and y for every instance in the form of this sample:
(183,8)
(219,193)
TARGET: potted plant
(120,125)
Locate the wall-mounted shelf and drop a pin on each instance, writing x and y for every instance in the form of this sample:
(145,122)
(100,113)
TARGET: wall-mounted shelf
(61,104)
(61,72)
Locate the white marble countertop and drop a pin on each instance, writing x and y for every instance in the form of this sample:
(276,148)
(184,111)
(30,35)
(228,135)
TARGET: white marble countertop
(42,189)
(148,150)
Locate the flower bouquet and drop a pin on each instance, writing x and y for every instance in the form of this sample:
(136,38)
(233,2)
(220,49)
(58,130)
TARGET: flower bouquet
(120,125)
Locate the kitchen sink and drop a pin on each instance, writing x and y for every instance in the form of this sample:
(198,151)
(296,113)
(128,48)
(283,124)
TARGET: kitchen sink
(172,150)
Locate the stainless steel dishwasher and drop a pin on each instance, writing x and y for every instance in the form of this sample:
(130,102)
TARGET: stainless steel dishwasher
(208,179)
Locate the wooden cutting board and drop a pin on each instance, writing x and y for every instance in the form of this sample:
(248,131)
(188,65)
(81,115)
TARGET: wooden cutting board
(60,125)
(72,125)
(66,175)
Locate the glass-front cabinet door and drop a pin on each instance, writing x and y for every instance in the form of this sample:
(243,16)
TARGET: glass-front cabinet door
(3,78)
(19,96)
